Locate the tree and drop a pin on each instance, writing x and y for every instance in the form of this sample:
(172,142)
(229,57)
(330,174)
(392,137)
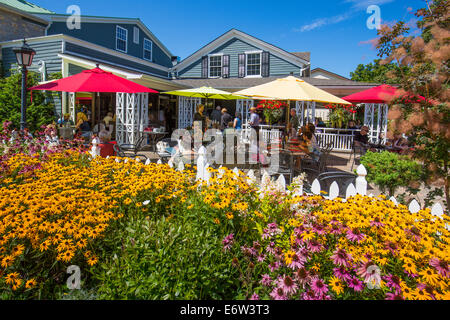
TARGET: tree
(426,121)
(39,112)
(375,72)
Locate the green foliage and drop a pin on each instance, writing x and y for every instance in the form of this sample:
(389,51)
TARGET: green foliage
(166,258)
(376,72)
(389,170)
(38,113)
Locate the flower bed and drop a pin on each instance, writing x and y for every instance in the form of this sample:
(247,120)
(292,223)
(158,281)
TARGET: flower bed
(150,232)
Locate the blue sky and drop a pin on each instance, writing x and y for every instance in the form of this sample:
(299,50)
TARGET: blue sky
(334,31)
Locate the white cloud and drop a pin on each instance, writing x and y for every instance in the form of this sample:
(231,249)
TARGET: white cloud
(322,22)
(364,4)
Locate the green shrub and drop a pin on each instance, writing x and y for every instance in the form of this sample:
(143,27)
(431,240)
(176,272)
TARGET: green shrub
(390,170)
(39,112)
(166,258)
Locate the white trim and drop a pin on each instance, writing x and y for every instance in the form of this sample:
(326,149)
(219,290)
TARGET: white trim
(247,53)
(74,54)
(209,65)
(247,38)
(132,76)
(151,50)
(126,38)
(89,45)
(138,22)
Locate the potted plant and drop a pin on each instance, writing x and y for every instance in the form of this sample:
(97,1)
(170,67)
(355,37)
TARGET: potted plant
(340,115)
(272,110)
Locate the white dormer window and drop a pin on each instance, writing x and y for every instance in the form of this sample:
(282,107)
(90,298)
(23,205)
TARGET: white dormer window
(215,65)
(136,35)
(121,39)
(148,50)
(253,64)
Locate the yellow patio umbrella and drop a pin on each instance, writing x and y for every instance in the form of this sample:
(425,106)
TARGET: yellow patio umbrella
(291,88)
(205,92)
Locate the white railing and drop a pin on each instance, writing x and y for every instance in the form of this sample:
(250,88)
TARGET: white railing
(341,139)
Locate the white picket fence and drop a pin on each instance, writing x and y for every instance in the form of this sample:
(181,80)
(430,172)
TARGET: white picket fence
(360,186)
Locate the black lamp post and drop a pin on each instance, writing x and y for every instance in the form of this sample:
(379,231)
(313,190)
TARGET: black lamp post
(24,57)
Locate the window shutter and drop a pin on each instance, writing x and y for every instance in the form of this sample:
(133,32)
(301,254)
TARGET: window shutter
(265,64)
(242,65)
(226,66)
(205,67)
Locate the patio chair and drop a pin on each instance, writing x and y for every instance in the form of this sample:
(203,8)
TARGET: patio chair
(320,165)
(343,179)
(136,147)
(357,152)
(126,154)
(285,166)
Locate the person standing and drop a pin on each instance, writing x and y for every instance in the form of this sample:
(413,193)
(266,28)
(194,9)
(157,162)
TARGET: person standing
(254,119)
(216,115)
(200,118)
(237,124)
(225,119)
(294,123)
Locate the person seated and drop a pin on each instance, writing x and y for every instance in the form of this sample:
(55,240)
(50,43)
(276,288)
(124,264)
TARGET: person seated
(230,129)
(83,126)
(352,125)
(400,144)
(109,118)
(361,140)
(65,121)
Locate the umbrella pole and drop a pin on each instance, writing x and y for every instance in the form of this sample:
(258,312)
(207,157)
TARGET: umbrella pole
(288,119)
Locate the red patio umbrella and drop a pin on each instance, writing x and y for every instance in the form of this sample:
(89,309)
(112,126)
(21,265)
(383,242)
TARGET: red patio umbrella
(380,94)
(94,80)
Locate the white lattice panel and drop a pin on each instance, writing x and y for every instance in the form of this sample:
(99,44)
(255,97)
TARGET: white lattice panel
(186,110)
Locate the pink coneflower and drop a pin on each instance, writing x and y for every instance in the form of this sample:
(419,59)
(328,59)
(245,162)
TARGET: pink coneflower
(341,273)
(392,247)
(315,246)
(392,281)
(441,266)
(274,266)
(376,222)
(355,284)
(335,228)
(254,297)
(302,276)
(227,242)
(271,248)
(298,261)
(309,295)
(261,257)
(355,235)
(266,280)
(287,284)
(278,294)
(369,271)
(340,257)
(393,296)
(319,229)
(318,286)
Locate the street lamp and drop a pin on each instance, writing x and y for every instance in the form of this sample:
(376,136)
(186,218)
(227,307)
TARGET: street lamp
(24,57)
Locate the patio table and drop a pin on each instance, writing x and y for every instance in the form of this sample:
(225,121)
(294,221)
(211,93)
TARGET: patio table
(154,137)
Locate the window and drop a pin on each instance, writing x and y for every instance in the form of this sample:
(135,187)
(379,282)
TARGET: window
(121,39)
(253,64)
(215,66)
(148,50)
(136,35)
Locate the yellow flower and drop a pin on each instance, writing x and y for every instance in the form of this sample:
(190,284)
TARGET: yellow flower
(7,261)
(30,284)
(336,285)
(429,276)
